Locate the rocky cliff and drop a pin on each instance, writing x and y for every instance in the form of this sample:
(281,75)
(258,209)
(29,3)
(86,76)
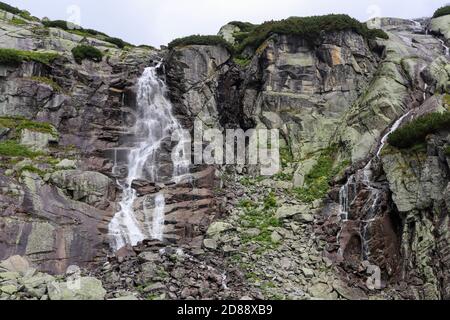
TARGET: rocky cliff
(65,137)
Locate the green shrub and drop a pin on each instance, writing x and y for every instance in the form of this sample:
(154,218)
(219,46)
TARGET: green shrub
(48,81)
(32,169)
(8,8)
(17,21)
(12,148)
(310,28)
(270,201)
(10,57)
(442,12)
(60,24)
(22,13)
(83,52)
(146,46)
(447,151)
(118,42)
(94,32)
(416,131)
(242,61)
(200,40)
(26,15)
(15,57)
(244,26)
(69,27)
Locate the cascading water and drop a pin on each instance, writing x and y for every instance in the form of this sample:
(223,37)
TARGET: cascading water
(364,177)
(446,48)
(154,124)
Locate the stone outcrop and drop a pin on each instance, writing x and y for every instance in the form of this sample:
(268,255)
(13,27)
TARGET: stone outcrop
(441,27)
(229,233)
(20,281)
(419,182)
(58,218)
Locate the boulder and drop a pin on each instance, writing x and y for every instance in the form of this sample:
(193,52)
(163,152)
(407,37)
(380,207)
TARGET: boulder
(15,264)
(66,164)
(210,244)
(288,211)
(441,26)
(37,141)
(217,228)
(84,186)
(84,288)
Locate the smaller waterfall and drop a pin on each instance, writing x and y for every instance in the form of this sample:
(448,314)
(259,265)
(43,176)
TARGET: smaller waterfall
(446,48)
(364,177)
(393,128)
(156,226)
(425,92)
(344,193)
(417,26)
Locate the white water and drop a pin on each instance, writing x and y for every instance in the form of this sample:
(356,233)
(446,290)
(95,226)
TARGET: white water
(417,26)
(446,49)
(157,228)
(155,123)
(393,128)
(364,177)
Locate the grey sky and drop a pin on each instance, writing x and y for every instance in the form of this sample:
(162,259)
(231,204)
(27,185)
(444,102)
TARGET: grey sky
(157,22)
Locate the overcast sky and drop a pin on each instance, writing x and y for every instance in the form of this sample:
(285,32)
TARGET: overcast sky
(157,22)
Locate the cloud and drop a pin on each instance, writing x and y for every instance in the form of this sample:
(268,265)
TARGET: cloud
(158,22)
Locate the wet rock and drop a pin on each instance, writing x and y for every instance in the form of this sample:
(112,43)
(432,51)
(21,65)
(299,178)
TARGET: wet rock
(88,187)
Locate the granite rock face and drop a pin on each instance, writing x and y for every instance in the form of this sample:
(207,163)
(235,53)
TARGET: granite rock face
(229,233)
(419,183)
(58,218)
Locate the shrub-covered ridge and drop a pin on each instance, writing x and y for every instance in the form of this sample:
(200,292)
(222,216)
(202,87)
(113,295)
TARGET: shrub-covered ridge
(310,28)
(15,57)
(416,131)
(201,40)
(442,12)
(70,27)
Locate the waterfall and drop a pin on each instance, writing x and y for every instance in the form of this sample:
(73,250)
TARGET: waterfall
(417,26)
(364,177)
(391,130)
(446,48)
(155,124)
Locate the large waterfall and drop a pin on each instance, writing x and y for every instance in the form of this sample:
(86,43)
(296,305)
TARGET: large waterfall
(155,124)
